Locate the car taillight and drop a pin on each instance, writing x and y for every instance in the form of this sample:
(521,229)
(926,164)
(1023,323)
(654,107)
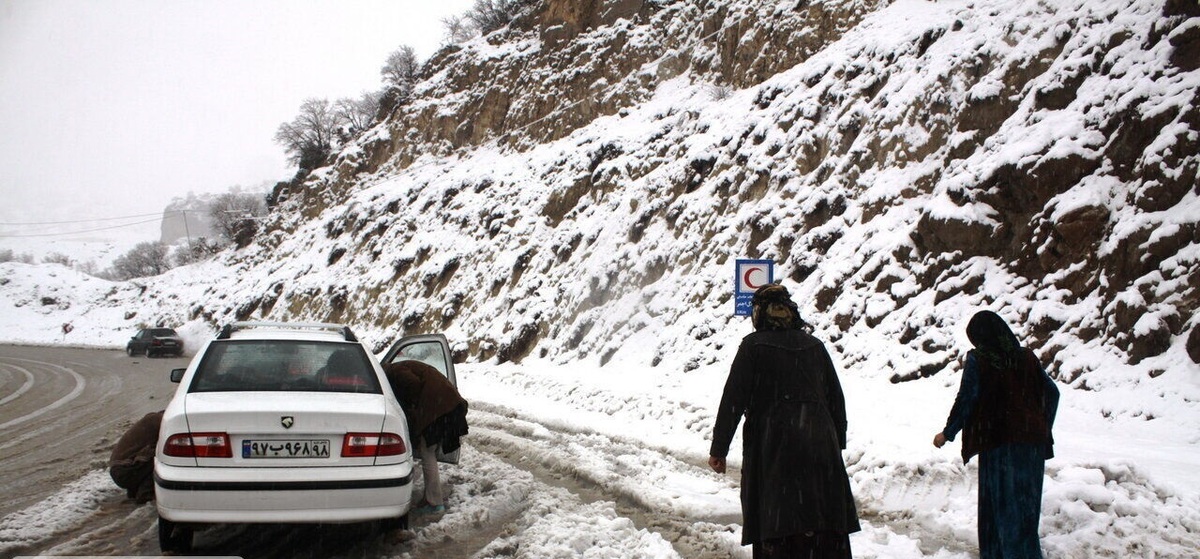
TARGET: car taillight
(198,445)
(372,444)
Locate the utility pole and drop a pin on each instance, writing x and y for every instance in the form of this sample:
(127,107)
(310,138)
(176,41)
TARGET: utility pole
(187,230)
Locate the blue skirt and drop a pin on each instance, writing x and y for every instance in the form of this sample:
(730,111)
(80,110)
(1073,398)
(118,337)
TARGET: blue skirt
(1010,501)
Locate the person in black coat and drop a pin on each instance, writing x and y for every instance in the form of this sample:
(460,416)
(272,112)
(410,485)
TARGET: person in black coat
(796,497)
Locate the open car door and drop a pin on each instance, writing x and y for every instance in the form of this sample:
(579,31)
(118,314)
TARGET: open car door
(432,350)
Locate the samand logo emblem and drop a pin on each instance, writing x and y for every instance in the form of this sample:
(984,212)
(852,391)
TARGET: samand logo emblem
(287,421)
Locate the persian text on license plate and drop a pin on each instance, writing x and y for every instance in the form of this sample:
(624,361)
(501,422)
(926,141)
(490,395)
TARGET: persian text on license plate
(285,449)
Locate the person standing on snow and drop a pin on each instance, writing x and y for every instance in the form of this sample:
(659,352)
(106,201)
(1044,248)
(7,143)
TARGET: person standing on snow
(437,417)
(131,464)
(796,498)
(1005,407)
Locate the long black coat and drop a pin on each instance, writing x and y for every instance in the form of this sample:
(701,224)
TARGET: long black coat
(793,477)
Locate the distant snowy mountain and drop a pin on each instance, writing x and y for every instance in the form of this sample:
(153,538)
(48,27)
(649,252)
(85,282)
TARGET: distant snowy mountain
(187,218)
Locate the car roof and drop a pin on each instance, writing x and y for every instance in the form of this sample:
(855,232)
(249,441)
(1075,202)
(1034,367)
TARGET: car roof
(294,335)
(303,331)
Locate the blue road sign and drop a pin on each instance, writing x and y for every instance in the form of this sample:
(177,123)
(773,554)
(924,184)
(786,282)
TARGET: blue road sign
(748,276)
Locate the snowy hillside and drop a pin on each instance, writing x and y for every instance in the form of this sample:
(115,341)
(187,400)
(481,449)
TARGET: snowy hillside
(573,191)
(917,161)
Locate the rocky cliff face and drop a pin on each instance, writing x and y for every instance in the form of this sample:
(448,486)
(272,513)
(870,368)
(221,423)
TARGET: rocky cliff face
(569,186)
(187,218)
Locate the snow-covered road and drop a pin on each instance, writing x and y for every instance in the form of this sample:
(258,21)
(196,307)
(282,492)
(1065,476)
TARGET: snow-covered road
(571,461)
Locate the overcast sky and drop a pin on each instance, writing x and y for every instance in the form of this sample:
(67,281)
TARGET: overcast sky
(112,108)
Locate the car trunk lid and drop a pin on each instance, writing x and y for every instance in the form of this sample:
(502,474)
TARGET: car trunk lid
(285,429)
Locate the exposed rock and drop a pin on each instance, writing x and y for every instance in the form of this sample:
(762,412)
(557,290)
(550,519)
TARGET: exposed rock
(986,113)
(572,16)
(1185,42)
(1131,133)
(1187,8)
(1082,228)
(1154,340)
(1168,243)
(1193,344)
(1075,237)
(935,235)
(614,10)
(1061,92)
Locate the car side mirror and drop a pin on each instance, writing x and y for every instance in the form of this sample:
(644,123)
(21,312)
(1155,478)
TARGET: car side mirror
(177,375)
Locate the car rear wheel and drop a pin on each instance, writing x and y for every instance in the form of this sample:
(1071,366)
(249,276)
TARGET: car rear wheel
(174,537)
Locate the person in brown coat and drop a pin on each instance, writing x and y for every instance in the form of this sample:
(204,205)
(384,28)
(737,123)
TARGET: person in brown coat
(131,464)
(436,419)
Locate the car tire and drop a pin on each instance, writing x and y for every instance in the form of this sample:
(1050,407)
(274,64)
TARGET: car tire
(174,537)
(129,351)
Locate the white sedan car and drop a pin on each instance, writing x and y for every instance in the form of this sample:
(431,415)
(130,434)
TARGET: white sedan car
(284,423)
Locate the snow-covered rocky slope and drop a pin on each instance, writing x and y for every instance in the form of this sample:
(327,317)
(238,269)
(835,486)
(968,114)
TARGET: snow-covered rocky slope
(904,163)
(578,185)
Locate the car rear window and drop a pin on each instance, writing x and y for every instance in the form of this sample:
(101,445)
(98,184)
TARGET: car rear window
(284,366)
(162,332)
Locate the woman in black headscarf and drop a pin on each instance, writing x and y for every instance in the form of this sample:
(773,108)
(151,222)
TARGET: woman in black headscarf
(796,499)
(1005,407)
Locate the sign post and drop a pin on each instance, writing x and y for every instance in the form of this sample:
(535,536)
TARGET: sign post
(748,276)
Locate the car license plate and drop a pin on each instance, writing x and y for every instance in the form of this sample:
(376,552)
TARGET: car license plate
(286,449)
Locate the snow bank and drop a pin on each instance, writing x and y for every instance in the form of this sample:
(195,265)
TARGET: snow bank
(62,510)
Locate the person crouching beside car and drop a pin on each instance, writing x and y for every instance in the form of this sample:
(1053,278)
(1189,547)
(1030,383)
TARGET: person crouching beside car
(131,464)
(437,417)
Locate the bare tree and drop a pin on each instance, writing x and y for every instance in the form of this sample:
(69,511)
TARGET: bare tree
(490,15)
(58,258)
(358,114)
(312,135)
(400,69)
(7,255)
(234,214)
(399,74)
(459,29)
(196,251)
(89,267)
(144,259)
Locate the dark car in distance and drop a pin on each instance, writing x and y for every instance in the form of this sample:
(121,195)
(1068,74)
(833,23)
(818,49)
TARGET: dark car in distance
(155,342)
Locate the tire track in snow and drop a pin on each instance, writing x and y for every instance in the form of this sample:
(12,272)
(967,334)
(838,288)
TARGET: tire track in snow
(561,445)
(80,384)
(25,386)
(647,486)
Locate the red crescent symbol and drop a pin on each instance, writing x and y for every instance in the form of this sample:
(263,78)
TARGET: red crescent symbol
(746,278)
